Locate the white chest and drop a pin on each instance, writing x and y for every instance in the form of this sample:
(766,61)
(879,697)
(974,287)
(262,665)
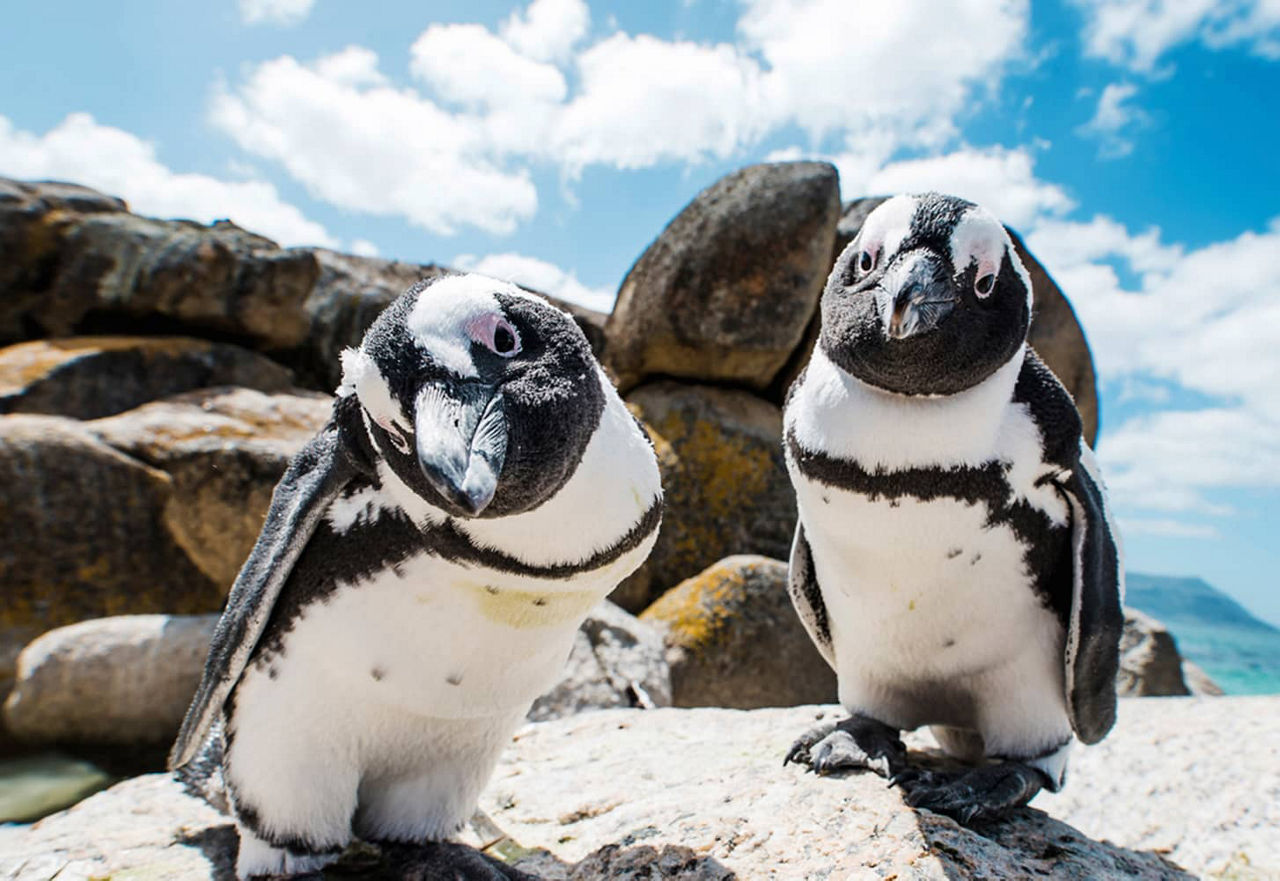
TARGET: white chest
(442,639)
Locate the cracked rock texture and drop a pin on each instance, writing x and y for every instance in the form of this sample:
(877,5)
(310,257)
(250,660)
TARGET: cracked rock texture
(702,794)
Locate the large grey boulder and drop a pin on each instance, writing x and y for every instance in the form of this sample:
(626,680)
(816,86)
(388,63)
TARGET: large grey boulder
(92,377)
(724,480)
(84,535)
(1055,332)
(734,640)
(76,271)
(74,261)
(223,450)
(725,291)
(1150,665)
(122,681)
(617,661)
(701,794)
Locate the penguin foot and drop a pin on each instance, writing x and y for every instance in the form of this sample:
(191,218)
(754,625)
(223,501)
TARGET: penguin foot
(856,743)
(977,794)
(447,861)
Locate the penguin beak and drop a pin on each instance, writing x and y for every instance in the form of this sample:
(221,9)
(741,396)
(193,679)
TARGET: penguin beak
(921,295)
(461,433)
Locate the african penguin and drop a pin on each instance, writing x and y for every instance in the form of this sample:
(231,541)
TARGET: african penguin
(954,559)
(425,563)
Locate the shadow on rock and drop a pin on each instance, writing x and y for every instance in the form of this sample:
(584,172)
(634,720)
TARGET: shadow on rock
(220,846)
(1030,843)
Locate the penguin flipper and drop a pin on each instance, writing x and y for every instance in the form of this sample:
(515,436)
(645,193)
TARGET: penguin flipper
(1096,619)
(315,476)
(806,596)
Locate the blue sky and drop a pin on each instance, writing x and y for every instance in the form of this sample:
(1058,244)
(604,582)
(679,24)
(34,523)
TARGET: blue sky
(1132,141)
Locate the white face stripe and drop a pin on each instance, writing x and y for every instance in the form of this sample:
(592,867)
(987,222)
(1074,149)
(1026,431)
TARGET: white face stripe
(360,375)
(980,237)
(886,227)
(439,319)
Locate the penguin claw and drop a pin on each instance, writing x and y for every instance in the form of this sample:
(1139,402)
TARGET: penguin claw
(979,794)
(857,743)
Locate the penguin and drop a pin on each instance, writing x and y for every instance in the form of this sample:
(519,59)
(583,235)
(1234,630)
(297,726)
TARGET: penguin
(423,568)
(954,560)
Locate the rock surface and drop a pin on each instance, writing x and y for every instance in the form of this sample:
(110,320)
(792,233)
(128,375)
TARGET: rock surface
(1055,333)
(74,261)
(701,794)
(76,272)
(92,377)
(125,680)
(1150,665)
(733,639)
(617,661)
(725,483)
(223,449)
(725,291)
(94,541)
(1196,779)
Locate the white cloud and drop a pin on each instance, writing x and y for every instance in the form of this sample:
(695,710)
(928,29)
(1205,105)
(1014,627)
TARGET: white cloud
(280,12)
(836,66)
(643,100)
(1166,460)
(1206,320)
(493,106)
(1111,118)
(1137,33)
(465,63)
(371,147)
(548,29)
(540,276)
(112,160)
(1001,180)
(364,248)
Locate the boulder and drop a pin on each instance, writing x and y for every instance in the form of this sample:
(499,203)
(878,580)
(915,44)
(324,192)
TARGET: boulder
(77,271)
(725,483)
(85,535)
(91,377)
(1150,665)
(125,680)
(223,450)
(701,794)
(1198,681)
(74,261)
(725,291)
(734,640)
(1055,332)
(33,222)
(617,661)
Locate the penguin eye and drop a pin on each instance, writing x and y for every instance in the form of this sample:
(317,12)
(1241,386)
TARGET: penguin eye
(866,262)
(504,340)
(496,334)
(985,285)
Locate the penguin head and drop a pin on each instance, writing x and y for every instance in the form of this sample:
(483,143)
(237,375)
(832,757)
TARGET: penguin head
(929,298)
(479,396)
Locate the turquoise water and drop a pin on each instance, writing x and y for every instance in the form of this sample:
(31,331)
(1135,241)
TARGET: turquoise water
(1238,651)
(1241,661)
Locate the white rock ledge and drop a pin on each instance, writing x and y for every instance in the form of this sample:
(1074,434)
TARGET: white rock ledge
(1184,787)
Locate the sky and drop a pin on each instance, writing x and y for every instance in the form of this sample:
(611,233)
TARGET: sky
(1132,142)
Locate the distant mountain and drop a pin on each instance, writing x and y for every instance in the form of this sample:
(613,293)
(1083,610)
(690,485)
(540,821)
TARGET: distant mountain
(1188,600)
(1240,652)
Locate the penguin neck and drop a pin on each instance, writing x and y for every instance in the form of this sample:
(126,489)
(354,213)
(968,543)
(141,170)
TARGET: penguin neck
(838,414)
(613,489)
